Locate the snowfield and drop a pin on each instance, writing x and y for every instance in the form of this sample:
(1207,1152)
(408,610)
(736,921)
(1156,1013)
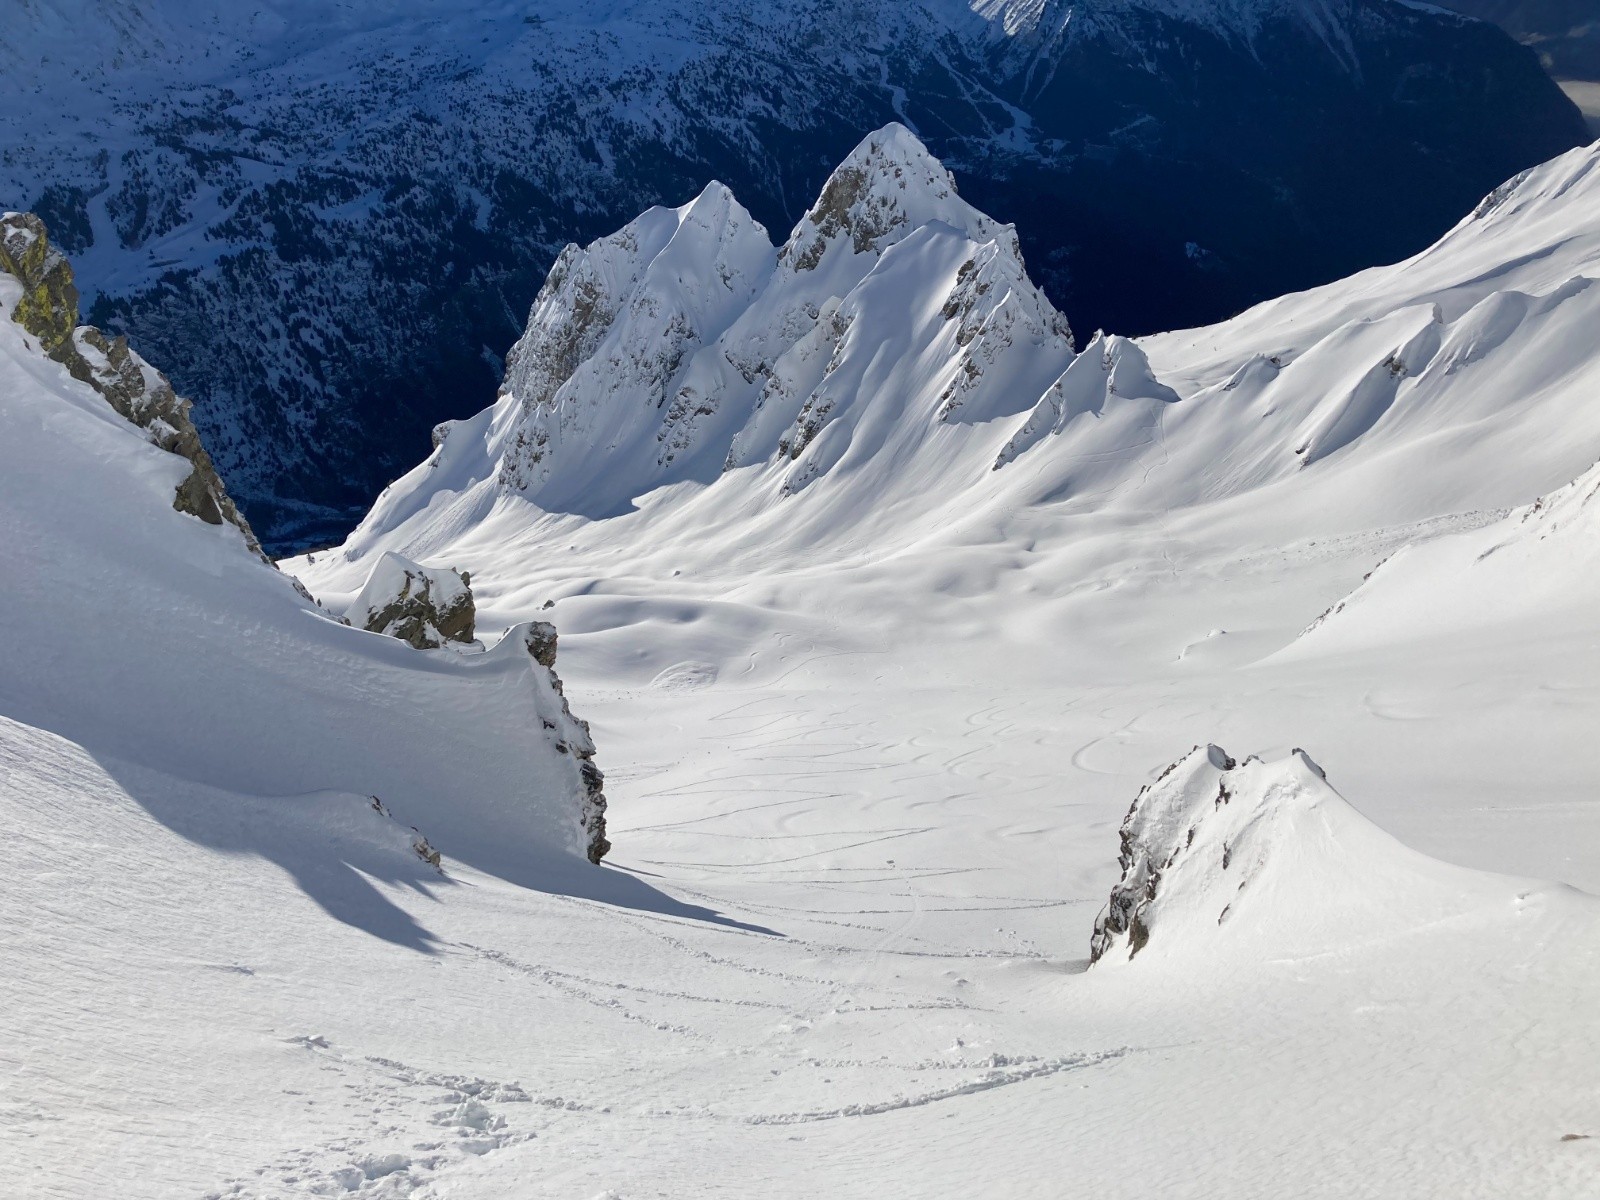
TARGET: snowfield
(885,597)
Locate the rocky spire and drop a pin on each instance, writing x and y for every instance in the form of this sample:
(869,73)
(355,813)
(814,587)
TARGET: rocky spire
(888,186)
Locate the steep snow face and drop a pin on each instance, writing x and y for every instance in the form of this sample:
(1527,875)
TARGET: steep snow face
(1241,861)
(163,647)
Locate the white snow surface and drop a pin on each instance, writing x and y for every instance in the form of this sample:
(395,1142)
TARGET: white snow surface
(884,605)
(159,643)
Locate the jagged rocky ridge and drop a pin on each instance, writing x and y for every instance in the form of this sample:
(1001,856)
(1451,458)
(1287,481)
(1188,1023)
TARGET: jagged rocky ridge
(49,310)
(332,221)
(686,346)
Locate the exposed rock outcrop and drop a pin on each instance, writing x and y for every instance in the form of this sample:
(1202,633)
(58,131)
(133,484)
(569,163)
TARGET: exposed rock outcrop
(422,606)
(540,639)
(1207,831)
(428,606)
(1226,864)
(136,390)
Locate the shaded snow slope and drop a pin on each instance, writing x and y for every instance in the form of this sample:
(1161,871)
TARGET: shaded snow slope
(167,650)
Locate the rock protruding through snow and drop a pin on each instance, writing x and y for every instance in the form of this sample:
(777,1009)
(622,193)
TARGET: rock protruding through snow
(422,606)
(1265,857)
(574,738)
(136,390)
(889,186)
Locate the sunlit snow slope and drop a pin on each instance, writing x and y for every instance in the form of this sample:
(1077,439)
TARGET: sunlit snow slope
(887,600)
(892,362)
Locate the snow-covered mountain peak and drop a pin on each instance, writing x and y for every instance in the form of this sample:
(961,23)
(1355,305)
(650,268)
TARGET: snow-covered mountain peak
(677,276)
(888,186)
(684,346)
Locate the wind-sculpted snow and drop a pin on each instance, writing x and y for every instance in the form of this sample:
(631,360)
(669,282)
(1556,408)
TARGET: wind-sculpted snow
(163,646)
(328,221)
(1228,860)
(1109,367)
(1540,564)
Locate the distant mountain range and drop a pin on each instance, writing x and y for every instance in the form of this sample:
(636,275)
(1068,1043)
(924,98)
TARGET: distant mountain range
(329,224)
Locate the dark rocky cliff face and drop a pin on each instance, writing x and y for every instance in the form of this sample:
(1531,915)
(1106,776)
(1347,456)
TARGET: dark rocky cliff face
(336,261)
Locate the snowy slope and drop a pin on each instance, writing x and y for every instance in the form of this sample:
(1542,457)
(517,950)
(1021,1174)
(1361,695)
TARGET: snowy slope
(162,644)
(743,379)
(891,696)
(874,676)
(1537,568)
(170,651)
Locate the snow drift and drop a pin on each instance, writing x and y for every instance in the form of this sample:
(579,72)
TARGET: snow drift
(165,647)
(1257,859)
(1537,567)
